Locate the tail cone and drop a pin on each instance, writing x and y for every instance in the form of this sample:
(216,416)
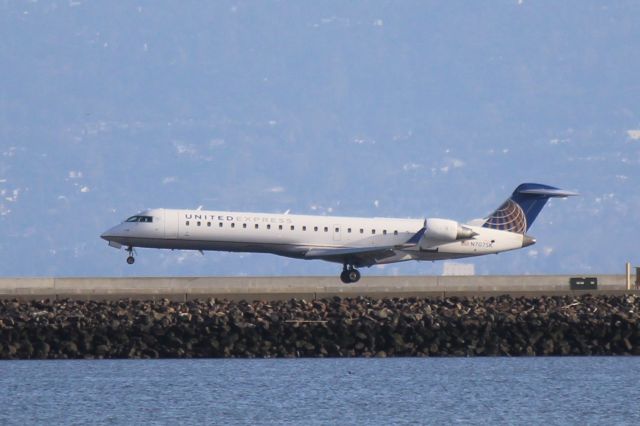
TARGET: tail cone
(528,241)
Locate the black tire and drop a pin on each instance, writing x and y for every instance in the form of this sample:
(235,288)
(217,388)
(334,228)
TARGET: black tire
(353,275)
(131,260)
(344,277)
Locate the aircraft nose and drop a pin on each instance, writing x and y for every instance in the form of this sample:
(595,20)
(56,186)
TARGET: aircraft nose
(109,233)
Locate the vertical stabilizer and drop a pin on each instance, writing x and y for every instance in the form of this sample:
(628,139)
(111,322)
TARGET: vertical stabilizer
(518,212)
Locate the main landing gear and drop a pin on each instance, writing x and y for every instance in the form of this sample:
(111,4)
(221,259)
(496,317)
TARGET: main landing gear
(349,274)
(130,259)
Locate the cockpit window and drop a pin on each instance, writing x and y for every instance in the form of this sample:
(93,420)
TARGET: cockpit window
(146,219)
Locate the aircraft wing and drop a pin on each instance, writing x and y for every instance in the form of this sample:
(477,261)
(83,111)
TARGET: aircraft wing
(357,256)
(362,256)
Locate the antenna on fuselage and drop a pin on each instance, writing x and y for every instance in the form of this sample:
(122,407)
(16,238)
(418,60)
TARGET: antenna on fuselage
(287,212)
(199,208)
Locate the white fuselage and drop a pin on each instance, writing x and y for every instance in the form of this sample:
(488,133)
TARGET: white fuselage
(298,235)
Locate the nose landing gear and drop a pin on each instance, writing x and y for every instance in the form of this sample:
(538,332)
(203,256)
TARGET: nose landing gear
(349,274)
(130,259)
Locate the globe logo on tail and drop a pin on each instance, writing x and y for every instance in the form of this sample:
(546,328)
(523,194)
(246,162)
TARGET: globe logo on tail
(508,217)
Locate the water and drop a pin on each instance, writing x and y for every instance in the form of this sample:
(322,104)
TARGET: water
(322,391)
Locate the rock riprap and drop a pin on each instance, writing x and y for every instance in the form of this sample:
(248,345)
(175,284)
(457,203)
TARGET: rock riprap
(336,327)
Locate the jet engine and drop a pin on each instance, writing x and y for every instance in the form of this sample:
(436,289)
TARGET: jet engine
(445,230)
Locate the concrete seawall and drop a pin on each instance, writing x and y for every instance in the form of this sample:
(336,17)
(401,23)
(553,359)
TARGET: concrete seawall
(308,288)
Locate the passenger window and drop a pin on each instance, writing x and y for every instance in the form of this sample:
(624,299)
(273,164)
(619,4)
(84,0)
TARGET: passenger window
(384,232)
(244,225)
(280,227)
(361,231)
(373,231)
(337,229)
(326,229)
(233,225)
(315,228)
(198,223)
(257,226)
(293,227)
(395,232)
(187,223)
(348,230)
(209,224)
(268,226)
(219,224)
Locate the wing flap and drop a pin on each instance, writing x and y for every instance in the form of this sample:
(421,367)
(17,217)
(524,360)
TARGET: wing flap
(358,256)
(320,253)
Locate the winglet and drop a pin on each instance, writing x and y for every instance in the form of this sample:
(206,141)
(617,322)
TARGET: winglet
(418,235)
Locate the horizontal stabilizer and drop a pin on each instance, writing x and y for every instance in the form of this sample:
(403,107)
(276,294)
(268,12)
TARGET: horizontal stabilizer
(549,192)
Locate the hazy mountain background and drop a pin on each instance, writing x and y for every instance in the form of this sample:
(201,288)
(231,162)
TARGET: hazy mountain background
(372,108)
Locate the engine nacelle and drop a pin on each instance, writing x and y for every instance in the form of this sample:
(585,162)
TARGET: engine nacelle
(444,230)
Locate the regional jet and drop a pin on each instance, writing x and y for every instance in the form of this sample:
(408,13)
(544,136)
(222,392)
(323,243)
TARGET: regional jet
(352,242)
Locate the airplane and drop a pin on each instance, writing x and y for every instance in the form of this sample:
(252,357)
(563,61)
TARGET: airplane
(354,242)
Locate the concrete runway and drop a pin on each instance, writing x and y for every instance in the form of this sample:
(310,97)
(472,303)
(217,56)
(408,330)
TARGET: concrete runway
(308,287)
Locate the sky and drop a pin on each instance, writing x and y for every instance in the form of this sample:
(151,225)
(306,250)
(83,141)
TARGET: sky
(370,108)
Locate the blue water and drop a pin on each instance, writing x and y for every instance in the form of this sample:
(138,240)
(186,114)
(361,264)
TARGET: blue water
(322,391)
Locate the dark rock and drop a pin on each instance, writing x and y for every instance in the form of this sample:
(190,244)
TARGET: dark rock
(336,327)
(102,350)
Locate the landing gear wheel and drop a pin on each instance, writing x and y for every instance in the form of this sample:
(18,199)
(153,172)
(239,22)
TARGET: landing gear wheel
(130,259)
(349,275)
(353,275)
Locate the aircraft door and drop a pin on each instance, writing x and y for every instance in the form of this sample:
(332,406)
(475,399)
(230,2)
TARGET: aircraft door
(171,224)
(158,223)
(185,223)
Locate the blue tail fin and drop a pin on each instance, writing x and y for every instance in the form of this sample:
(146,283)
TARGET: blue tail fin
(521,209)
